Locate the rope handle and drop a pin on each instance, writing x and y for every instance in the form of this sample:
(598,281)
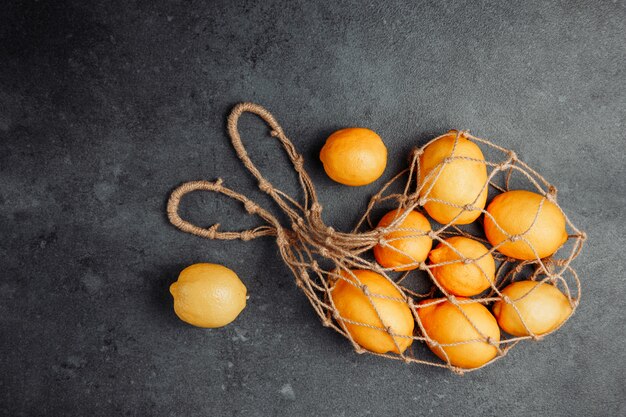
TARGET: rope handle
(292,208)
(212,232)
(286,203)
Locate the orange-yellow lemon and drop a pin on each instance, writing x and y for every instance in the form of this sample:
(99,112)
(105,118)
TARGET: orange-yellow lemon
(353,304)
(354,156)
(515,212)
(458,277)
(407,246)
(542,306)
(446,324)
(459,182)
(208,295)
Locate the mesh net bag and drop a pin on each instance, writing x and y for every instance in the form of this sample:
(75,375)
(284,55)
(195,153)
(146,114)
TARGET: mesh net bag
(319,256)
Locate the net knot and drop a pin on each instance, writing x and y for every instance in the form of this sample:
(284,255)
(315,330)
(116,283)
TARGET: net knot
(468,261)
(469,207)
(265,186)
(515,238)
(273,133)
(316,207)
(212,231)
(298,162)
(457,371)
(281,240)
(512,156)
(551,195)
(250,207)
(247,235)
(417,151)
(422,201)
(365,290)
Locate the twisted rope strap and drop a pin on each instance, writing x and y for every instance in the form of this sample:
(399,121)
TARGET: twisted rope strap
(308,239)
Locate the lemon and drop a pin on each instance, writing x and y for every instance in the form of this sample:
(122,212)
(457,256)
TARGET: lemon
(455,275)
(459,182)
(354,305)
(542,306)
(446,324)
(208,295)
(404,248)
(354,156)
(515,212)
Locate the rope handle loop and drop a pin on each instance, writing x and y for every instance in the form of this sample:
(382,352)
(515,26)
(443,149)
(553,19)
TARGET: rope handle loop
(212,232)
(286,203)
(282,199)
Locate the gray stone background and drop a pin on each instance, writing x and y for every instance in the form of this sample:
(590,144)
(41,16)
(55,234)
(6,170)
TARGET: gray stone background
(106,106)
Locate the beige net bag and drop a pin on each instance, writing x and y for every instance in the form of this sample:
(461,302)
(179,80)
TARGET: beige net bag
(316,253)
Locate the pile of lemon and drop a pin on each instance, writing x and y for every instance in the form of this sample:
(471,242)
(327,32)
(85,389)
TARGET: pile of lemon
(453,182)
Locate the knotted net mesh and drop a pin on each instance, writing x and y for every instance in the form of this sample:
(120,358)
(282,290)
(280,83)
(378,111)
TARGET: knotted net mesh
(319,256)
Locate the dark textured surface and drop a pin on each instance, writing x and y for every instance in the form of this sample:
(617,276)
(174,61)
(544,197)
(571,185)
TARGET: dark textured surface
(105,107)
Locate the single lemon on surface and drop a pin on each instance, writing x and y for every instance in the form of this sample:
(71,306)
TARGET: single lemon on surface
(459,278)
(352,304)
(459,182)
(515,211)
(408,247)
(208,295)
(543,308)
(446,324)
(354,156)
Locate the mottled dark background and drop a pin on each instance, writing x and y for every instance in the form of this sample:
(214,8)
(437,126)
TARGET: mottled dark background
(106,106)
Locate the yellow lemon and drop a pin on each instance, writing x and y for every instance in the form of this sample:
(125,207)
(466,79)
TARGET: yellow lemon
(354,156)
(459,278)
(460,182)
(542,306)
(208,295)
(446,324)
(407,247)
(353,304)
(515,212)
